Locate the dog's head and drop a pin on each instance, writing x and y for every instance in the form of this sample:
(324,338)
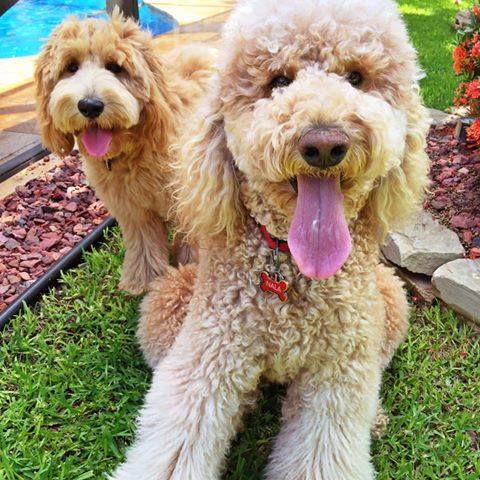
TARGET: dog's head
(99,81)
(319,93)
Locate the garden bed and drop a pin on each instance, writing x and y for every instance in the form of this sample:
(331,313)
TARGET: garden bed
(41,222)
(454,197)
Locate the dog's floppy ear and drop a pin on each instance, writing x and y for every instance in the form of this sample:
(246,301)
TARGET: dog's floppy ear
(56,141)
(400,193)
(208,195)
(158,117)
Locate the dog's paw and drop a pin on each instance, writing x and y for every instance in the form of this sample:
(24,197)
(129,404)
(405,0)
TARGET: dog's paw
(133,288)
(137,281)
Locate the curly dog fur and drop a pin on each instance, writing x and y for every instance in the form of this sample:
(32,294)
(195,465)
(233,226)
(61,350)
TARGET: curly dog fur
(331,341)
(163,311)
(146,98)
(165,307)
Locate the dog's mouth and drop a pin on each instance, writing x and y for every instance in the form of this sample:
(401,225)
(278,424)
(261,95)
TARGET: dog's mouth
(96,140)
(318,237)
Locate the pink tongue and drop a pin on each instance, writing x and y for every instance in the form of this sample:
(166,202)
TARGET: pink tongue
(97,141)
(319,239)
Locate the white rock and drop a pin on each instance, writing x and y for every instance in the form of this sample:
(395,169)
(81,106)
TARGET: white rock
(439,118)
(458,285)
(422,245)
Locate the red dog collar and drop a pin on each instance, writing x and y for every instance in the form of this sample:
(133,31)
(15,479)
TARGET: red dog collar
(274,242)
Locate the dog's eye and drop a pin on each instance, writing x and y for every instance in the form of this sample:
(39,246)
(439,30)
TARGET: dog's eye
(72,67)
(280,81)
(355,78)
(114,67)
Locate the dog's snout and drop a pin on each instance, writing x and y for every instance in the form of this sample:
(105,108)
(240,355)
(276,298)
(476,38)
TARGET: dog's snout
(323,147)
(90,107)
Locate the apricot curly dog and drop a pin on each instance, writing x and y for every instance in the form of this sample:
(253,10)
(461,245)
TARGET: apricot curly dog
(102,84)
(309,148)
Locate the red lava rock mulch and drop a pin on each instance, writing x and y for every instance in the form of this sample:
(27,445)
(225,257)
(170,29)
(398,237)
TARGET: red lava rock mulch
(454,198)
(41,222)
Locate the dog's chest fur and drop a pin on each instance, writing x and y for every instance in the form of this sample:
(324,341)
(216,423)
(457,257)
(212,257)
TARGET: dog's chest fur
(320,322)
(130,185)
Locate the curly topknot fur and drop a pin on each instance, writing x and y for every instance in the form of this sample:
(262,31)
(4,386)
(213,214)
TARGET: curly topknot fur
(145,101)
(331,340)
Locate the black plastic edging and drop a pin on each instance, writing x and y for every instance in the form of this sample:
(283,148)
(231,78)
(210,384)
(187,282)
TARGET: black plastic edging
(72,258)
(13,166)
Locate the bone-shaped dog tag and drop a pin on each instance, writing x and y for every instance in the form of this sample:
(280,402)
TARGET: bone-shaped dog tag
(271,285)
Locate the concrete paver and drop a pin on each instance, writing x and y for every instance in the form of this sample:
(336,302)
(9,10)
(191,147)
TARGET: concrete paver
(15,143)
(189,11)
(17,107)
(16,71)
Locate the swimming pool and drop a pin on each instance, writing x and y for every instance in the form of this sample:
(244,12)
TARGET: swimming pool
(25,27)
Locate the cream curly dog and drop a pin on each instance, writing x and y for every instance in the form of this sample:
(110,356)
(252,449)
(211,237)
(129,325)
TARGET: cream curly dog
(314,133)
(102,84)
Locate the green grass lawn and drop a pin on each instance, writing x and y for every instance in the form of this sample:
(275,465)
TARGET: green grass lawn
(72,378)
(430,26)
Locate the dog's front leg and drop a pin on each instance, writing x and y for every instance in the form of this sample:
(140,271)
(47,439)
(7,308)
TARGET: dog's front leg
(146,250)
(193,409)
(327,418)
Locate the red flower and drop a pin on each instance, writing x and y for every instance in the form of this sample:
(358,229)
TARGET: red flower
(473,90)
(476,50)
(459,57)
(474,131)
(476,11)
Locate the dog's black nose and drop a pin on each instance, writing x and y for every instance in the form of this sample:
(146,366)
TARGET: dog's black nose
(323,147)
(90,107)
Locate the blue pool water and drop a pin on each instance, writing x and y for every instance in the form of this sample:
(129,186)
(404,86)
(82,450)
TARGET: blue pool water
(25,27)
